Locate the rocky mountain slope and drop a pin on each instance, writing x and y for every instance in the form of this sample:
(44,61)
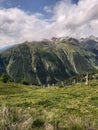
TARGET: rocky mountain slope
(49,61)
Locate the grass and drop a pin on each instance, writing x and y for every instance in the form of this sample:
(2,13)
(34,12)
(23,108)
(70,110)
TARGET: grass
(69,108)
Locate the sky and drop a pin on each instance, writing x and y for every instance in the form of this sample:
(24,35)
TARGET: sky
(30,20)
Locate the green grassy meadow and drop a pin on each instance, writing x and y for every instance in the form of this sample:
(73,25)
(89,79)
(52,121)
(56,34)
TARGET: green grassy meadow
(34,108)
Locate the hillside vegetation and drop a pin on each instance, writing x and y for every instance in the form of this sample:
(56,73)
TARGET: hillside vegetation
(32,108)
(48,62)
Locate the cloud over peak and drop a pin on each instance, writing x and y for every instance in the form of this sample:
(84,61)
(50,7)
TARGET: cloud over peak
(76,20)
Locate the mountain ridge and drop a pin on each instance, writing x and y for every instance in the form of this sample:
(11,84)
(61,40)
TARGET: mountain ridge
(49,61)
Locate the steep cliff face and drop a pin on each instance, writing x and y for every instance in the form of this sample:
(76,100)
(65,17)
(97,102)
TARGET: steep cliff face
(47,61)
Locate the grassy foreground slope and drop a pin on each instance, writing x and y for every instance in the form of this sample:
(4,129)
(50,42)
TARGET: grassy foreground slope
(70,108)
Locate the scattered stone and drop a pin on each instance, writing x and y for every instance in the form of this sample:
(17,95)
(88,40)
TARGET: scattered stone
(48,126)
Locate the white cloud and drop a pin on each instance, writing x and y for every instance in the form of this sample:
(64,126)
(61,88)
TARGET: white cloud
(17,26)
(68,20)
(48,9)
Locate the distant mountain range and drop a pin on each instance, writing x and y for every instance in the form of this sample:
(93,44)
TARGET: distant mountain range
(5,48)
(50,61)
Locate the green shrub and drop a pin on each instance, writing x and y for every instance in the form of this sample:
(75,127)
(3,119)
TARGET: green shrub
(24,82)
(38,123)
(5,78)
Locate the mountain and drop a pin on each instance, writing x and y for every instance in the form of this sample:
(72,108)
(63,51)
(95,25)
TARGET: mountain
(5,48)
(49,61)
(90,42)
